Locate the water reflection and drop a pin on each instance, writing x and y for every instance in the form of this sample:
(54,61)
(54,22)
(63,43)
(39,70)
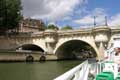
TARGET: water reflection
(35,71)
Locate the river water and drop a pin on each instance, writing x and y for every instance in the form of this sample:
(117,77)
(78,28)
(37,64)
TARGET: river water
(35,71)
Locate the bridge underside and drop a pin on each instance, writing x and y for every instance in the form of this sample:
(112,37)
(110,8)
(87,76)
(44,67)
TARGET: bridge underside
(75,49)
(31,47)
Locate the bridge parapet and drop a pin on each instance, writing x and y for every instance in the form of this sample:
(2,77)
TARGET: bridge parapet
(115,31)
(69,32)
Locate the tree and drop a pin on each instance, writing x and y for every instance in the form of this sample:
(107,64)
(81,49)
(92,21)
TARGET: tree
(9,14)
(51,26)
(67,28)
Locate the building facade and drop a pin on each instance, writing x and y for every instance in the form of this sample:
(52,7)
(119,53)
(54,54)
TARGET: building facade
(31,25)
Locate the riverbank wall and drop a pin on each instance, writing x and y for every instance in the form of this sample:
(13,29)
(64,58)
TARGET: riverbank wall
(21,57)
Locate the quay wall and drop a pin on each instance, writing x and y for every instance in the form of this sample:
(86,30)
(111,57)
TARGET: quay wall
(21,57)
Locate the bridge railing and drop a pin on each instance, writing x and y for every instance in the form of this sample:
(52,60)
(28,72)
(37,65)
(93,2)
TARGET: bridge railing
(79,72)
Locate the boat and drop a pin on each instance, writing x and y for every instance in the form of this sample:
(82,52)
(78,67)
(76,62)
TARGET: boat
(110,67)
(106,69)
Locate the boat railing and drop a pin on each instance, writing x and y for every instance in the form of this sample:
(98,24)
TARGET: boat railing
(79,72)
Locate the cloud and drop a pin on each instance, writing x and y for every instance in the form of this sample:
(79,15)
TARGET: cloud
(67,18)
(81,10)
(99,12)
(115,20)
(88,20)
(49,9)
(85,20)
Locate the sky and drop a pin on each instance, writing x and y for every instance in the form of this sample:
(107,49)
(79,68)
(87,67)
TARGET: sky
(75,13)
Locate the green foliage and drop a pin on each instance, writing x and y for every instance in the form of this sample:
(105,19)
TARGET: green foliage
(9,14)
(51,26)
(67,28)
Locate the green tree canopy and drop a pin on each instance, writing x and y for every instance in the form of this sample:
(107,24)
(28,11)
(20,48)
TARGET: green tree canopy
(51,26)
(67,28)
(9,14)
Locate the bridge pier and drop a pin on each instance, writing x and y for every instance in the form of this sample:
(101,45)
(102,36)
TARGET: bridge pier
(101,50)
(50,39)
(50,48)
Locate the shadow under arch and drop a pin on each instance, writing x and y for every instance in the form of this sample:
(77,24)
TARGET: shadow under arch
(31,47)
(75,49)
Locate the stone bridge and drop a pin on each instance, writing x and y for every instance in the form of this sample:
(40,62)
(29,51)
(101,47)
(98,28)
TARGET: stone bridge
(64,44)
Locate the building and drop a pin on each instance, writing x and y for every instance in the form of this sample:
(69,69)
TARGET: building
(31,25)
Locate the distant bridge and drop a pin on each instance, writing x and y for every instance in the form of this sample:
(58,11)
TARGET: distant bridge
(64,44)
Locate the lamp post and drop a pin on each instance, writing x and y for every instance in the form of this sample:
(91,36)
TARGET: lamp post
(106,24)
(94,21)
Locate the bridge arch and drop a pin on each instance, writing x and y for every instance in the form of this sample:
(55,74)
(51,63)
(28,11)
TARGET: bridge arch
(32,47)
(75,48)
